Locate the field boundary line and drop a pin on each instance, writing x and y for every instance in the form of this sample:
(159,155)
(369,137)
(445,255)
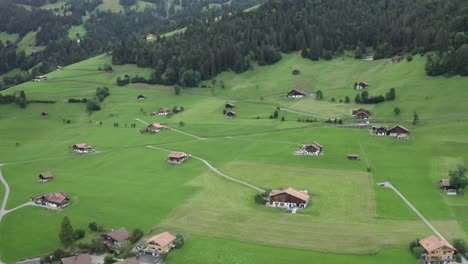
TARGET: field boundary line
(214,169)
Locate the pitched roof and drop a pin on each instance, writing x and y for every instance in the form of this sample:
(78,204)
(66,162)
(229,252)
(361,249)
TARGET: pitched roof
(432,243)
(79,259)
(402,127)
(30,261)
(46,175)
(231,113)
(82,146)
(164,110)
(176,155)
(314,144)
(163,239)
(297,91)
(120,234)
(155,126)
(445,183)
(293,192)
(56,197)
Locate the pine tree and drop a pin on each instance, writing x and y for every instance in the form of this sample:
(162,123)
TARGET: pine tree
(66,232)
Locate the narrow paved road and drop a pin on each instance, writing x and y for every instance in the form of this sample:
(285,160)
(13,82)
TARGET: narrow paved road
(217,171)
(180,131)
(389,185)
(5,197)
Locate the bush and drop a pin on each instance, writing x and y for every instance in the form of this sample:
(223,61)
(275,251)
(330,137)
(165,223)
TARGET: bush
(93,105)
(102,93)
(137,234)
(460,245)
(109,259)
(409,58)
(78,234)
(97,246)
(180,241)
(95,227)
(396,110)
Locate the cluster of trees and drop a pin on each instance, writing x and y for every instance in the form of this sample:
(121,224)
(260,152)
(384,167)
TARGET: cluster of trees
(75,100)
(365,98)
(20,99)
(453,61)
(67,234)
(458,178)
(235,42)
(94,104)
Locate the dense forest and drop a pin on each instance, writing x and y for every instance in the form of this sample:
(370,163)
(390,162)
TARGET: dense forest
(103,30)
(316,28)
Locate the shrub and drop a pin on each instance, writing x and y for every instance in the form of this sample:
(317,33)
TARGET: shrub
(93,105)
(109,259)
(78,234)
(137,234)
(102,93)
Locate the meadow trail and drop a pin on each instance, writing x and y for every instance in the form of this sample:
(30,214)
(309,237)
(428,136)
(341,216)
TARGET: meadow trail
(5,197)
(214,169)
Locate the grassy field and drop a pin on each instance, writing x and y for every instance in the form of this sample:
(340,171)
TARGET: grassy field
(4,37)
(76,30)
(126,184)
(28,43)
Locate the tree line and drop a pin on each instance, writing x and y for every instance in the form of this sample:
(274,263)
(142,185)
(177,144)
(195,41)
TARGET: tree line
(316,28)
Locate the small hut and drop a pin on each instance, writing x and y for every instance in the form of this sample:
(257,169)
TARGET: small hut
(353,156)
(45,177)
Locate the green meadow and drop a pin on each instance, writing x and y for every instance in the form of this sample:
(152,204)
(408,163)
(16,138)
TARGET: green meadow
(126,184)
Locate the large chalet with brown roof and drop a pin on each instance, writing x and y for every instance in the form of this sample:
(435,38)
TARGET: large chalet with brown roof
(288,198)
(437,250)
(56,199)
(45,176)
(398,132)
(161,243)
(164,111)
(310,149)
(116,237)
(361,113)
(78,259)
(176,157)
(294,93)
(154,128)
(447,188)
(82,148)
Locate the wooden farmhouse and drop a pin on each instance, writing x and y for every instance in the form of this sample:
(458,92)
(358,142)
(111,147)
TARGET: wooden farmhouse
(296,72)
(353,157)
(56,200)
(59,68)
(361,113)
(176,157)
(82,148)
(229,105)
(437,250)
(77,259)
(150,37)
(310,149)
(164,111)
(45,176)
(296,94)
(154,128)
(360,85)
(288,198)
(40,78)
(231,114)
(44,114)
(161,243)
(380,131)
(141,97)
(398,131)
(397,58)
(116,237)
(447,188)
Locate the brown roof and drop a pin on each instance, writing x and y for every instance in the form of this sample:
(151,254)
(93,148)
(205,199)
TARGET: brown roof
(163,110)
(56,197)
(361,111)
(432,243)
(353,155)
(79,259)
(402,127)
(155,126)
(119,235)
(163,239)
(47,175)
(297,91)
(314,144)
(231,113)
(82,146)
(293,192)
(177,155)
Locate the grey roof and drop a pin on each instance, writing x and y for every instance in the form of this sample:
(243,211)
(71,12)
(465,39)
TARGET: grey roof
(148,259)
(30,261)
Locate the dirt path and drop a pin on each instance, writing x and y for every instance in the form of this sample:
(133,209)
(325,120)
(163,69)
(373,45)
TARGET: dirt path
(5,197)
(214,169)
(180,131)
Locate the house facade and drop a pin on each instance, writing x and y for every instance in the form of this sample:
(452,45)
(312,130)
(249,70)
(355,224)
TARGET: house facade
(361,113)
(353,157)
(380,131)
(82,148)
(231,114)
(155,128)
(116,237)
(40,78)
(56,200)
(288,198)
(161,243)
(437,250)
(176,157)
(296,94)
(45,177)
(164,111)
(310,149)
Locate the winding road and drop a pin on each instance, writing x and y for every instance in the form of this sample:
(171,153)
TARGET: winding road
(214,169)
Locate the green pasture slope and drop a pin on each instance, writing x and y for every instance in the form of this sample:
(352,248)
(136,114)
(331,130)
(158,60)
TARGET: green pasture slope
(127,184)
